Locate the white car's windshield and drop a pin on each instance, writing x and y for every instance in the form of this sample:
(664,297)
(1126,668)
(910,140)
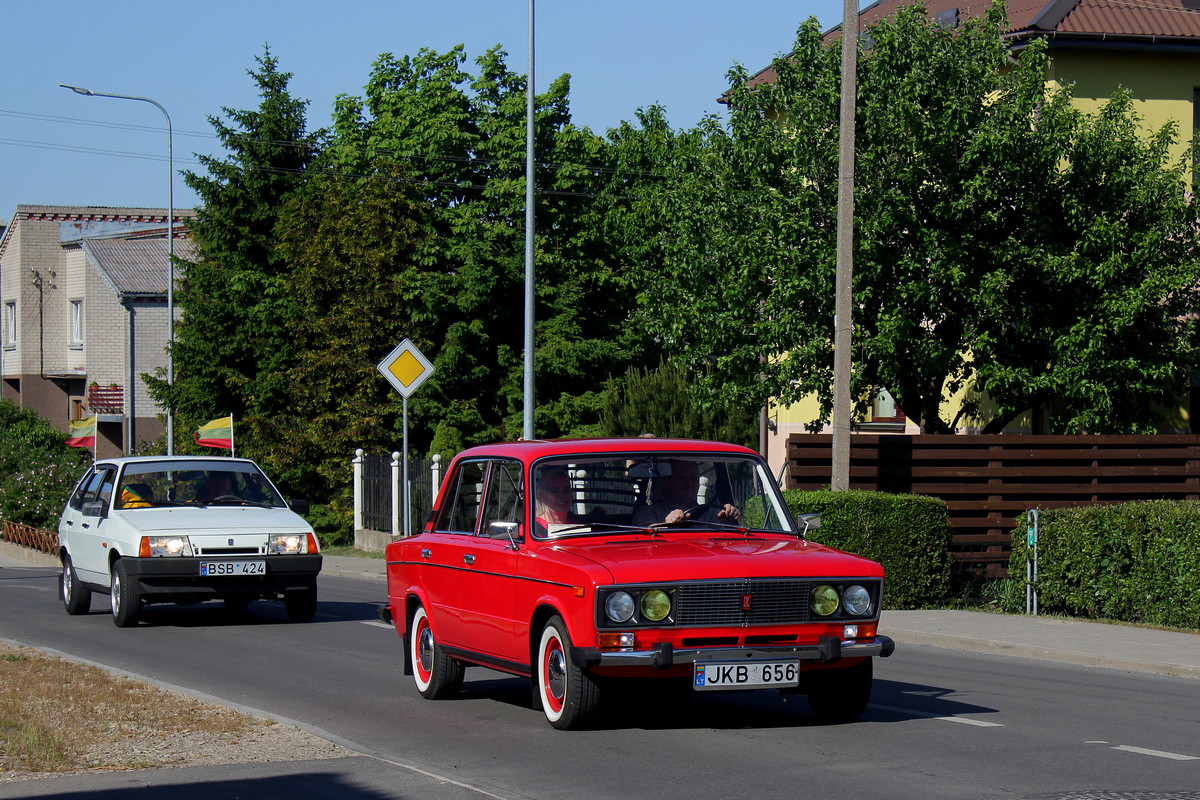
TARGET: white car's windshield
(196,483)
(583,494)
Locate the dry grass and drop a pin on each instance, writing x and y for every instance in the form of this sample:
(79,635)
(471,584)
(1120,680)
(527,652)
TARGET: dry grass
(60,716)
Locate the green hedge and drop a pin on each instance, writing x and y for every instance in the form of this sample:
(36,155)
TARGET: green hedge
(908,534)
(1134,562)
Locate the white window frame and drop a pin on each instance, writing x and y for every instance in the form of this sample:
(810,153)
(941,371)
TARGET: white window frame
(10,323)
(77,323)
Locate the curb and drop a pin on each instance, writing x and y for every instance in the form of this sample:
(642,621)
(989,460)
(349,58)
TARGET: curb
(19,552)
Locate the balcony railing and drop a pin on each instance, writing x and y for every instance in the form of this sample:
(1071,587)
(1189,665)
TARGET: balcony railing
(106,399)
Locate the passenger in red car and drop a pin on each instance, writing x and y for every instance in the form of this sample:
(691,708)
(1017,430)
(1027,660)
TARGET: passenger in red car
(675,497)
(554,498)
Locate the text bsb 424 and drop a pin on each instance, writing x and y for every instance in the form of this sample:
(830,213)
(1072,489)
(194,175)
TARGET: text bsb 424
(573,562)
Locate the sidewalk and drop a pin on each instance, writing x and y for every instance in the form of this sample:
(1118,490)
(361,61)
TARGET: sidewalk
(1092,644)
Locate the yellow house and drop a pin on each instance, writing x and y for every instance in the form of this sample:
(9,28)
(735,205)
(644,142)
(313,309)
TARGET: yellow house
(1095,46)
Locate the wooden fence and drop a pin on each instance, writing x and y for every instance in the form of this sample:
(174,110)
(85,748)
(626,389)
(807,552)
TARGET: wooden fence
(29,536)
(987,481)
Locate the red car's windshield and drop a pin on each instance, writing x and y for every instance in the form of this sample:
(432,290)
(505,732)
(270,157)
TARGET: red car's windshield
(584,494)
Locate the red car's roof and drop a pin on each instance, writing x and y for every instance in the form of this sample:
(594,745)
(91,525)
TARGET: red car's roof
(539,448)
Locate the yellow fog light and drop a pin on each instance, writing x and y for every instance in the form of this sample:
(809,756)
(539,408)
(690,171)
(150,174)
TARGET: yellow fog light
(656,605)
(824,600)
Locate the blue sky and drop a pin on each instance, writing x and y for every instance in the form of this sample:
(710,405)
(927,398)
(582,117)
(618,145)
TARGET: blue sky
(60,148)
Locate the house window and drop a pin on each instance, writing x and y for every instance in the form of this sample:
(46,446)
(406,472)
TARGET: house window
(884,407)
(10,323)
(76,322)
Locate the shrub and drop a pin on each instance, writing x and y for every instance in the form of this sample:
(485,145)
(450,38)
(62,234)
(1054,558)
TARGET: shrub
(37,469)
(1134,562)
(908,534)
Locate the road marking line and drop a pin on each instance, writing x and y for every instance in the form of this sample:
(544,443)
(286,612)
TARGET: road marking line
(948,718)
(375,624)
(1156,753)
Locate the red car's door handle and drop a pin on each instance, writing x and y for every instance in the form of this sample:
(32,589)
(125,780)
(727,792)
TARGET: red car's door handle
(426,553)
(469,559)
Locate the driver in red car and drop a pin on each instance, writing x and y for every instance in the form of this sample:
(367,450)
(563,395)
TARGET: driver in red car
(674,498)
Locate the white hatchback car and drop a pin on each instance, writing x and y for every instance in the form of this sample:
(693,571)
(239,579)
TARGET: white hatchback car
(184,529)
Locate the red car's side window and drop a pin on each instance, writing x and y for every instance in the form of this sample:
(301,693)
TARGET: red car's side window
(468,491)
(506,496)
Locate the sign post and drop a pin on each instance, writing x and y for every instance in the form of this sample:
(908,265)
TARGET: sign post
(405,369)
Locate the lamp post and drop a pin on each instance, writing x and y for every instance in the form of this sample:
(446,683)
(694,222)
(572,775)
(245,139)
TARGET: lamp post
(170,248)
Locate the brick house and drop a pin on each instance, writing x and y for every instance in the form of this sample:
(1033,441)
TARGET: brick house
(83,292)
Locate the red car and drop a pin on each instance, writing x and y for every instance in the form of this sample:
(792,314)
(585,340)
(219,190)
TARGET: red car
(572,562)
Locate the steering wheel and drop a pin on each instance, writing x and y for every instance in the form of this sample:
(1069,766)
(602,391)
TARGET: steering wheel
(695,511)
(225,497)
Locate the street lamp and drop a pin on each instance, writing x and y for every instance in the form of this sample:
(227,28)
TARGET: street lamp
(170,248)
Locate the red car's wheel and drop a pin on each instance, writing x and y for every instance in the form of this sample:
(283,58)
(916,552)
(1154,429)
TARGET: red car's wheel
(437,675)
(569,696)
(840,695)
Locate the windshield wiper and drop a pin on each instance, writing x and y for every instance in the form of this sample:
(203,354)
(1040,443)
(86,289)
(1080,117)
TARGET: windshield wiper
(725,526)
(238,502)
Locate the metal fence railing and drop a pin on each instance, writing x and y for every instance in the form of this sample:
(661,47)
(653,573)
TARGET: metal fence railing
(377,491)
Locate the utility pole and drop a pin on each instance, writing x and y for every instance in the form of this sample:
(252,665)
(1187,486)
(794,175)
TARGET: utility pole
(843,320)
(527,426)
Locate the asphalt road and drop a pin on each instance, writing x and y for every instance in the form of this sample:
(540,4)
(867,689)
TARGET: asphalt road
(942,724)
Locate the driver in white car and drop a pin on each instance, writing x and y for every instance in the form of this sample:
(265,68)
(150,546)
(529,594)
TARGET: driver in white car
(675,497)
(217,484)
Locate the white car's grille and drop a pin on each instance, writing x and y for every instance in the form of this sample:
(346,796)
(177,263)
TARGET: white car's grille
(228,551)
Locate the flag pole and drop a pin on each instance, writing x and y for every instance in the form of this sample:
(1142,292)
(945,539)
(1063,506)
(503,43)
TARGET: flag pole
(232,449)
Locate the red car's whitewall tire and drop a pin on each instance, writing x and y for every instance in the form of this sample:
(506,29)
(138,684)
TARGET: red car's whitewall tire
(568,695)
(436,675)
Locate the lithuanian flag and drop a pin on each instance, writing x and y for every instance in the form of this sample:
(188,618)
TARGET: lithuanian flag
(81,432)
(218,433)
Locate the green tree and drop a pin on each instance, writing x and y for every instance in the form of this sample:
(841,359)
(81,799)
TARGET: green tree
(1004,240)
(232,344)
(662,402)
(462,139)
(353,246)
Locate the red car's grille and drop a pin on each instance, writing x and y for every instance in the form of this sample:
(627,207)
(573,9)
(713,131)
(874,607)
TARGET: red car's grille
(750,602)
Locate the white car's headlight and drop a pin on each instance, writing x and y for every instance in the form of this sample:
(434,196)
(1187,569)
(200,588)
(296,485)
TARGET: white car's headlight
(287,544)
(165,546)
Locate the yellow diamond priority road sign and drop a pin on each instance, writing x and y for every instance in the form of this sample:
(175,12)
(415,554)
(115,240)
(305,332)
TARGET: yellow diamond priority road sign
(405,368)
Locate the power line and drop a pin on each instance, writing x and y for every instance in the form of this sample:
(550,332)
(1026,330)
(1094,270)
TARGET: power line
(366,152)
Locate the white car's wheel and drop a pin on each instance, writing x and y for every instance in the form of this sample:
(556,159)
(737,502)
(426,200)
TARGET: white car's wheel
(568,695)
(301,604)
(75,596)
(436,675)
(125,597)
